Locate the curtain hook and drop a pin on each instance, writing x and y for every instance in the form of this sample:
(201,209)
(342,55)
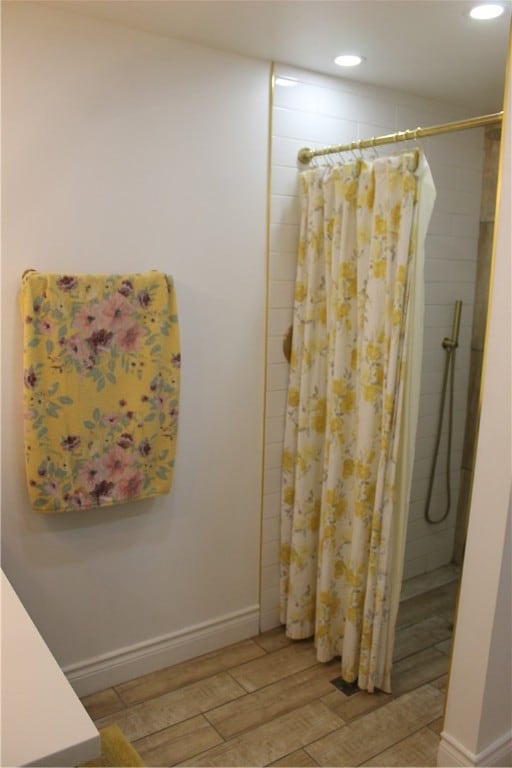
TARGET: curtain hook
(374,149)
(408,136)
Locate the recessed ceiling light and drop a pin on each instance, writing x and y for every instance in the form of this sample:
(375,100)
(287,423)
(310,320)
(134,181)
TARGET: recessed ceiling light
(486,11)
(348,60)
(287,82)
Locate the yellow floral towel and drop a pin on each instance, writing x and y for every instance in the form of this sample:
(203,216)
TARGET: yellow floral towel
(102,360)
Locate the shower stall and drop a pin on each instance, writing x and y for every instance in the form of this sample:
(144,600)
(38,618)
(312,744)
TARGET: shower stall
(320,111)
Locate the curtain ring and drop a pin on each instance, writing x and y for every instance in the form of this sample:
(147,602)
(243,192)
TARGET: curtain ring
(417,138)
(355,146)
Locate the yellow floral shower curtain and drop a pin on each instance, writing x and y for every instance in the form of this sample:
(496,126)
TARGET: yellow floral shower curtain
(351,408)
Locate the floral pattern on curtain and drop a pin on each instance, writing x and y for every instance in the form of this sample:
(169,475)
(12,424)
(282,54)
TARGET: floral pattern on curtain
(357,245)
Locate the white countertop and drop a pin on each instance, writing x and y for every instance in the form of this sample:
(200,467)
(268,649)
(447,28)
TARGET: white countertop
(43,720)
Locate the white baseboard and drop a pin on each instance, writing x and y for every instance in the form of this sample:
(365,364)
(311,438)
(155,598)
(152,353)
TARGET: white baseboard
(126,663)
(499,753)
(452,753)
(269,620)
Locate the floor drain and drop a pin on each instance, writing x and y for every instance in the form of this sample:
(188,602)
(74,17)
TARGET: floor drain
(347,688)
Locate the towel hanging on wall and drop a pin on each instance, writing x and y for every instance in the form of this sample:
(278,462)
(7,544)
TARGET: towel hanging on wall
(101,388)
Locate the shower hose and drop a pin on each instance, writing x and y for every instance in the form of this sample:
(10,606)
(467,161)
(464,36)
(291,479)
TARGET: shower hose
(449,345)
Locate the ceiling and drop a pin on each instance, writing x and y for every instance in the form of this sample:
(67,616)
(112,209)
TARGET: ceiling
(428,47)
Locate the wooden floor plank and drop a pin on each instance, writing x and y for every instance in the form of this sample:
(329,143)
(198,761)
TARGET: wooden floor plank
(419,749)
(274,740)
(275,666)
(178,742)
(171,678)
(379,730)
(158,713)
(274,700)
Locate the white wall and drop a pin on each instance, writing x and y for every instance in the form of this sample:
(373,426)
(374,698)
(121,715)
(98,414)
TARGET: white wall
(478,719)
(124,152)
(322,110)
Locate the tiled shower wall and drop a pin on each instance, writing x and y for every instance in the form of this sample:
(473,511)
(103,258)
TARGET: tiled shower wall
(320,110)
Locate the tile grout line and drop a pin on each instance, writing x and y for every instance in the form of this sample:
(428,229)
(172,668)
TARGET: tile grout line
(123,705)
(205,715)
(291,753)
(328,733)
(135,742)
(139,702)
(396,743)
(172,725)
(297,747)
(285,677)
(286,711)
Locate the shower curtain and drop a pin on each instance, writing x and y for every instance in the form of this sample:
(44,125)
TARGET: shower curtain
(352,407)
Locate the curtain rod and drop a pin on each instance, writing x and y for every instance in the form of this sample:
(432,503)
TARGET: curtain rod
(306,154)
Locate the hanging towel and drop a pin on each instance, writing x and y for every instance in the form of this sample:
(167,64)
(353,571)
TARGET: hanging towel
(101,387)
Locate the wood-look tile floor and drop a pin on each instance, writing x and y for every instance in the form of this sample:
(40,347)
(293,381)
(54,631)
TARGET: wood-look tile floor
(267,701)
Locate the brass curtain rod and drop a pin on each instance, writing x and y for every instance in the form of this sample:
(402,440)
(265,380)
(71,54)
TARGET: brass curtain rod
(306,154)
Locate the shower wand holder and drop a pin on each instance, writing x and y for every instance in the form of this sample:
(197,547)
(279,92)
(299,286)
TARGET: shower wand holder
(449,343)
(453,342)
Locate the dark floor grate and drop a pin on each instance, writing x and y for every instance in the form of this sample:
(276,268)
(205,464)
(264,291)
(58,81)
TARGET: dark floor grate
(347,688)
